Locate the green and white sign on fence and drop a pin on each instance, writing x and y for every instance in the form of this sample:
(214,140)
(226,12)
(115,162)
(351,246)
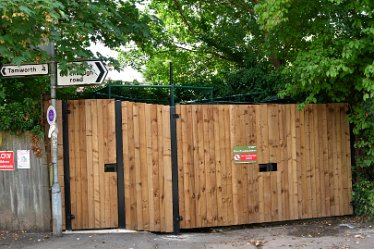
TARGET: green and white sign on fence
(245,154)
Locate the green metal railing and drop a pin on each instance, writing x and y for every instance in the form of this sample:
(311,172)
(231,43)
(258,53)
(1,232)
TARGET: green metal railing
(109,90)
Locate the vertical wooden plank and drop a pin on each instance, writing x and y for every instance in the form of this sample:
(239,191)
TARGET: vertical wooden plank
(339,153)
(168,197)
(263,157)
(182,192)
(188,167)
(83,163)
(183,189)
(312,160)
(302,181)
(282,156)
(77,224)
(335,167)
(252,170)
(137,157)
(149,165)
(273,149)
(218,139)
(236,183)
(307,171)
(90,172)
(155,167)
(244,168)
(105,184)
(199,164)
(95,164)
(325,159)
(161,167)
(306,184)
(143,167)
(290,129)
(211,198)
(129,162)
(226,152)
(102,141)
(318,145)
(332,158)
(112,158)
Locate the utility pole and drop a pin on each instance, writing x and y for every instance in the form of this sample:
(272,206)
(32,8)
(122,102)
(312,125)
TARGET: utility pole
(56,189)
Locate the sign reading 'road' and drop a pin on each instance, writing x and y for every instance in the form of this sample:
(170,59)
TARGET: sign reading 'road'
(24,70)
(94,74)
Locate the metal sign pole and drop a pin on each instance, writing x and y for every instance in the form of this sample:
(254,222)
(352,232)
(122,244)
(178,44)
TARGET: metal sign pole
(56,189)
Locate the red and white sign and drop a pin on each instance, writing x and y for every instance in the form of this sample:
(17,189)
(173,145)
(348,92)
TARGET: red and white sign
(6,160)
(245,157)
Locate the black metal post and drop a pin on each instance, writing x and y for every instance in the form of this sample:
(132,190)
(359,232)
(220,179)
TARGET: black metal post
(120,166)
(65,140)
(174,156)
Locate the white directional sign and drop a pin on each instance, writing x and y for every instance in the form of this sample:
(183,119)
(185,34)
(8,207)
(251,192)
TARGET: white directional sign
(24,70)
(94,74)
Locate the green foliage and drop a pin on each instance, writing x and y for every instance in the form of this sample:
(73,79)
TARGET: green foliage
(20,104)
(363,197)
(71,25)
(209,44)
(328,50)
(28,26)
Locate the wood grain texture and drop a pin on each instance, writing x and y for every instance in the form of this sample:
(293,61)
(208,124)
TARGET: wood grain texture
(311,148)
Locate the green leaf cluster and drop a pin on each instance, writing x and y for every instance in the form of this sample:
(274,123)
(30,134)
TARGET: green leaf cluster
(26,29)
(210,43)
(328,50)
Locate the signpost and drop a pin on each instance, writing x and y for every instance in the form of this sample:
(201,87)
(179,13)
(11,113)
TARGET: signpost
(94,74)
(24,70)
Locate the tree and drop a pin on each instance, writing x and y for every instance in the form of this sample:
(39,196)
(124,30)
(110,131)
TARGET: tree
(327,49)
(211,43)
(72,26)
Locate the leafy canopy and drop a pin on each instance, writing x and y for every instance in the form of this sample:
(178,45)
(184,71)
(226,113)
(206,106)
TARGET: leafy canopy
(72,26)
(329,56)
(211,43)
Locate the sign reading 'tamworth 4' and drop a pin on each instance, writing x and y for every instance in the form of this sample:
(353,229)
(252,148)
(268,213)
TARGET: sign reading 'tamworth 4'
(244,154)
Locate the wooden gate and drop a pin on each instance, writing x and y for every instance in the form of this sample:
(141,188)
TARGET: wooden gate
(133,140)
(302,169)
(91,158)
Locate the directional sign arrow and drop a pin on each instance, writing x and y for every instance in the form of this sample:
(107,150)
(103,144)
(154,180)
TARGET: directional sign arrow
(24,70)
(94,74)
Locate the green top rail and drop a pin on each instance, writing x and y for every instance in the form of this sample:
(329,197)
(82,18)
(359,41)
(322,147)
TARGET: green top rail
(171,87)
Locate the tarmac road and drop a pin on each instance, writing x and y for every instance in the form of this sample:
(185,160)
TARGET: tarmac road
(331,233)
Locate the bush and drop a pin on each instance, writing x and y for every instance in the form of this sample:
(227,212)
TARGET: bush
(363,198)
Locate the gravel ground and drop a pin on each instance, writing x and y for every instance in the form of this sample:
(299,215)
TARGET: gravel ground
(330,233)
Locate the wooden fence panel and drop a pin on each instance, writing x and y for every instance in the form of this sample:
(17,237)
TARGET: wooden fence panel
(24,193)
(147,162)
(310,147)
(93,192)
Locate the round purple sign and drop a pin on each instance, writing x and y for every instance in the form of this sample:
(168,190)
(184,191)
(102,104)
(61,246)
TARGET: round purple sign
(51,115)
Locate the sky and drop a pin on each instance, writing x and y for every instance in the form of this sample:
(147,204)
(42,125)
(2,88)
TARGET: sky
(126,74)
